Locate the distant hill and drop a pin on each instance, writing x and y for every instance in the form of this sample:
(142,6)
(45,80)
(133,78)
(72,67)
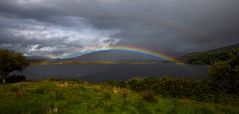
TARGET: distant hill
(116,56)
(227,48)
(101,57)
(208,57)
(37,58)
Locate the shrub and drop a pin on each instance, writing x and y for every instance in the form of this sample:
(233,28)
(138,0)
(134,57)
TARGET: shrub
(171,87)
(15,78)
(224,75)
(148,96)
(11,61)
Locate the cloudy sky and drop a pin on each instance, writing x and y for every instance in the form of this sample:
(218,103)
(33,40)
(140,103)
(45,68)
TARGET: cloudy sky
(61,27)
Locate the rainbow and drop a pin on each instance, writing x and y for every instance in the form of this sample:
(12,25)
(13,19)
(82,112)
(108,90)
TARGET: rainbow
(124,48)
(143,51)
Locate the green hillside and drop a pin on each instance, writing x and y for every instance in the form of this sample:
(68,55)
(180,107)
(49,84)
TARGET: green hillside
(227,48)
(208,57)
(73,97)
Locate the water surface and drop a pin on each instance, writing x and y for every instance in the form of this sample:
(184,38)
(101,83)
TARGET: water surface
(103,72)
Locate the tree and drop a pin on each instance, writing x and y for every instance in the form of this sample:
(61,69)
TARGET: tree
(11,61)
(225,74)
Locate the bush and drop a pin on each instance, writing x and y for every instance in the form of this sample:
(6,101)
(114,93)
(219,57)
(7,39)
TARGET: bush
(176,87)
(16,78)
(171,87)
(148,96)
(11,61)
(224,75)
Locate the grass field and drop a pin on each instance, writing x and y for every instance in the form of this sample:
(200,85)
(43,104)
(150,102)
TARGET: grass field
(73,97)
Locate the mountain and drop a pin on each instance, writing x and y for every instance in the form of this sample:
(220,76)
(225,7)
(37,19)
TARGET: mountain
(37,58)
(208,57)
(117,56)
(230,47)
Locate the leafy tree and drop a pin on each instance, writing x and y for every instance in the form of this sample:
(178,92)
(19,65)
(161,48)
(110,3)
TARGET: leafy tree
(11,61)
(225,74)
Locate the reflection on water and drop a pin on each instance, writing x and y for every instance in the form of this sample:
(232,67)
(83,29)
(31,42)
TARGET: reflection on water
(102,72)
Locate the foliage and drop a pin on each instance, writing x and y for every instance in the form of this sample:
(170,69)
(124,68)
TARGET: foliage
(225,74)
(16,78)
(148,96)
(200,90)
(171,87)
(11,61)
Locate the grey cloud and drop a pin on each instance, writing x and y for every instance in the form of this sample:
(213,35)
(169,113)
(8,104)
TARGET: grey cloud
(171,26)
(39,38)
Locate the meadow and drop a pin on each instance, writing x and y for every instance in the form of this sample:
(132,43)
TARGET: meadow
(75,97)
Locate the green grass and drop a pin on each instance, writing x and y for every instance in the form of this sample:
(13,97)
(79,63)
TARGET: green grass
(72,97)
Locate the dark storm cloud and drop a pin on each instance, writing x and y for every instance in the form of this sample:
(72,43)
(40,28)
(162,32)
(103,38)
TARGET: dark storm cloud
(171,26)
(46,39)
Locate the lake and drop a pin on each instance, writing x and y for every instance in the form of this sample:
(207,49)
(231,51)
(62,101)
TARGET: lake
(103,72)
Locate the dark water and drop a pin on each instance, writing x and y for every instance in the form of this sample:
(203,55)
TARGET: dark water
(103,72)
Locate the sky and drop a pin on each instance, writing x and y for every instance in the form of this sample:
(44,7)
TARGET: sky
(58,28)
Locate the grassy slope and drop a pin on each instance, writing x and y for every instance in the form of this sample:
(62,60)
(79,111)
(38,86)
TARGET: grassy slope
(73,97)
(207,57)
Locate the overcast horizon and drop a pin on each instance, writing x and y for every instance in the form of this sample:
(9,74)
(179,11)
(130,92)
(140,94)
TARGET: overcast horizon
(56,28)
